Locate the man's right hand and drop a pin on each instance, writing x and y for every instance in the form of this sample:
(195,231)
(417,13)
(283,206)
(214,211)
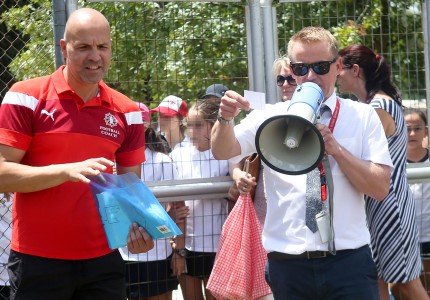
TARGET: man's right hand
(231,104)
(93,166)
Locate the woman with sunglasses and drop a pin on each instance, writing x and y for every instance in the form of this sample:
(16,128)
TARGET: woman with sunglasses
(391,222)
(284,78)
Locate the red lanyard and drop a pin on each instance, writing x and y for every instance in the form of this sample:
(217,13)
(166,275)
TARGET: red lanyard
(331,125)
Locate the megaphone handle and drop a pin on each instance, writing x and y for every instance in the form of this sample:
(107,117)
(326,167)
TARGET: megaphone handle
(247,167)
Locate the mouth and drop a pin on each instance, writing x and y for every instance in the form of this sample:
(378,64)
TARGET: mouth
(93,68)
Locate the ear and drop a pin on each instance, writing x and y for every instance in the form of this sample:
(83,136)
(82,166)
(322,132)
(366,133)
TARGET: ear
(356,70)
(63,46)
(339,65)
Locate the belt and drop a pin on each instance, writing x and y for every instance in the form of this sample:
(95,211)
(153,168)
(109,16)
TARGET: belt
(307,254)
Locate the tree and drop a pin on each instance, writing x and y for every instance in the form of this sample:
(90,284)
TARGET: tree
(11,42)
(179,48)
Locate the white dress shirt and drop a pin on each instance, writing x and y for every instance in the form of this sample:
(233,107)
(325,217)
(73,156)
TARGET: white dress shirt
(359,130)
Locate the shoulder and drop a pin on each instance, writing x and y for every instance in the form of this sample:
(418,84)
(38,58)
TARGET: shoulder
(120,101)
(354,111)
(31,87)
(162,158)
(179,152)
(155,157)
(379,102)
(352,105)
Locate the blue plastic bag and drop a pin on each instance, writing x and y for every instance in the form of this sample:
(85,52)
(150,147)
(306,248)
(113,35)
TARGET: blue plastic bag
(124,199)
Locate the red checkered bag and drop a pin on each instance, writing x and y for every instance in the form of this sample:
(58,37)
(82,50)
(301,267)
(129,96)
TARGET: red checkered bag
(238,271)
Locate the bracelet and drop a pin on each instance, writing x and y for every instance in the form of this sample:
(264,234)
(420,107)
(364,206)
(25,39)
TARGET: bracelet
(223,121)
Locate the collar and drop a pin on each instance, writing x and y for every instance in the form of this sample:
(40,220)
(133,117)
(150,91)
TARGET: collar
(330,102)
(61,86)
(424,159)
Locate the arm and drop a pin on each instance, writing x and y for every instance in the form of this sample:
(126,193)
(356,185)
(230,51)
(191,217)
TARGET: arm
(178,263)
(224,144)
(134,169)
(15,177)
(370,178)
(242,181)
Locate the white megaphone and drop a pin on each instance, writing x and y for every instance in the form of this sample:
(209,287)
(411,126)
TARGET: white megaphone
(290,143)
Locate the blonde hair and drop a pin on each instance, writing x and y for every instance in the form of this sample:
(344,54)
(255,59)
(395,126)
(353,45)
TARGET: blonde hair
(279,64)
(310,35)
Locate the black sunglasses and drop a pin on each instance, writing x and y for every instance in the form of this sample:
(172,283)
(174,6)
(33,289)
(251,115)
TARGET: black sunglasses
(280,80)
(320,67)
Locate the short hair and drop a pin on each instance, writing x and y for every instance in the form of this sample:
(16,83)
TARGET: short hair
(279,64)
(309,35)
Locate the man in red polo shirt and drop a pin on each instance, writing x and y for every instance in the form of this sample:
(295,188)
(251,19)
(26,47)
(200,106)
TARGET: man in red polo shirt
(69,125)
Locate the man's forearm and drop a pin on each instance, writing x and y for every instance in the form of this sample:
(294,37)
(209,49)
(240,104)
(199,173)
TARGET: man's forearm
(224,144)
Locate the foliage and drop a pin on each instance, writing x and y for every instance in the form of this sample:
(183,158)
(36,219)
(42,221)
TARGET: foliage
(34,21)
(391,28)
(179,48)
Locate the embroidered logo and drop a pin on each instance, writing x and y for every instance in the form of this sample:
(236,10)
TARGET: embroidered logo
(49,114)
(110,120)
(108,130)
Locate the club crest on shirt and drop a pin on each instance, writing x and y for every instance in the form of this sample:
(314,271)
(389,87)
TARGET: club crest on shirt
(110,122)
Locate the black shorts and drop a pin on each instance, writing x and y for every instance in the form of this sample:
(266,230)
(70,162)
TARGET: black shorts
(200,264)
(147,279)
(39,278)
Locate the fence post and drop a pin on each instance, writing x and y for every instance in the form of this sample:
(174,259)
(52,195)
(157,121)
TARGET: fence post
(59,18)
(270,49)
(255,47)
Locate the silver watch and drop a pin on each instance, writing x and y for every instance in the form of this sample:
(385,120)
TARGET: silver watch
(182,252)
(223,121)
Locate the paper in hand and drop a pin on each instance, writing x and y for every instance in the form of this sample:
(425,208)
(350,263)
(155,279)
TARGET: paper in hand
(257,100)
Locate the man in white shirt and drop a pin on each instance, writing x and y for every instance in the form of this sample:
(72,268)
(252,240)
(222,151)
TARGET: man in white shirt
(299,263)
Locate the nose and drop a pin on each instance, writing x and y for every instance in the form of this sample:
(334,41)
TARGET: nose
(311,74)
(94,54)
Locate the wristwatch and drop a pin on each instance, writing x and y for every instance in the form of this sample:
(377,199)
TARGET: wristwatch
(181,252)
(223,121)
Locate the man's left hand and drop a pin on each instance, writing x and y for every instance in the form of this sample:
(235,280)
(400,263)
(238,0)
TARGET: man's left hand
(139,240)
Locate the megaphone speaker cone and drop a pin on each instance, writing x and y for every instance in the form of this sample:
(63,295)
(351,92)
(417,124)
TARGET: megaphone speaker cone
(289,144)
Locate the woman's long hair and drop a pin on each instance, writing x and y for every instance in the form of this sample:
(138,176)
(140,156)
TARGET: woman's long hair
(377,72)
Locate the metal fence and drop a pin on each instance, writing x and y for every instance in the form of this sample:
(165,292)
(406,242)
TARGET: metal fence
(181,47)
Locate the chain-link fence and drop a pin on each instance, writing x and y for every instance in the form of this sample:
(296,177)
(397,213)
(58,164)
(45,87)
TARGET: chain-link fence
(180,48)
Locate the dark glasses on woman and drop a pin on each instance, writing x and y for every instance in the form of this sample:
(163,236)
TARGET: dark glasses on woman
(280,80)
(320,67)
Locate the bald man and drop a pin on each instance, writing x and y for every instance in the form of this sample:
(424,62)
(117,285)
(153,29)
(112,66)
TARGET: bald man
(54,131)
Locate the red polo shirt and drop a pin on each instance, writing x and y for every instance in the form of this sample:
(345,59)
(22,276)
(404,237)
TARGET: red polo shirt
(45,118)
